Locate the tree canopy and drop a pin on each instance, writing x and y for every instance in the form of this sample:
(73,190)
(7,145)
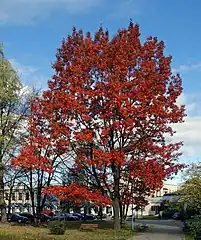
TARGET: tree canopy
(191,189)
(111,102)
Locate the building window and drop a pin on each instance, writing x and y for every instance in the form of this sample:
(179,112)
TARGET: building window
(20,196)
(155,209)
(27,196)
(13,196)
(165,191)
(6,196)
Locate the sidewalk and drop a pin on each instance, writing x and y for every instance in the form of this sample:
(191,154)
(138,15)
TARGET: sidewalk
(157,236)
(161,232)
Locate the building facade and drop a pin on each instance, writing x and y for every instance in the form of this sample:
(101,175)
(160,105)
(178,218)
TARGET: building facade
(154,200)
(19,198)
(21,201)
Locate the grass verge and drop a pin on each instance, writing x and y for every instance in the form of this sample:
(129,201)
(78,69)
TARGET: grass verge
(12,232)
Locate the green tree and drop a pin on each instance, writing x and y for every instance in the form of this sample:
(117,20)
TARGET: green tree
(13,112)
(191,189)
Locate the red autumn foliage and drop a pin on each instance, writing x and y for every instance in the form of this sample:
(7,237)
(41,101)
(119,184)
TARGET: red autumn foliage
(78,194)
(30,159)
(42,146)
(113,101)
(119,96)
(33,154)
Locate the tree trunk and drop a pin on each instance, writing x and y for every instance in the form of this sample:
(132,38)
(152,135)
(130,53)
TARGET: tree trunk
(85,212)
(32,202)
(121,212)
(31,191)
(38,207)
(126,211)
(116,199)
(2,201)
(116,210)
(76,209)
(3,215)
(100,213)
(9,200)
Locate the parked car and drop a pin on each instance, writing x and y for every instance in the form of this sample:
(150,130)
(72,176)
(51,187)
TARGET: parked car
(45,218)
(71,217)
(83,216)
(176,215)
(89,217)
(66,217)
(104,216)
(17,218)
(49,213)
(79,215)
(28,215)
(59,216)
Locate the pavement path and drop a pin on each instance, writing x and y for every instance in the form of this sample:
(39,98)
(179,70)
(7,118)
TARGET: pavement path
(161,230)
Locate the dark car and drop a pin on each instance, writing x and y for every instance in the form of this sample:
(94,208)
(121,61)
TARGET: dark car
(17,218)
(66,217)
(45,218)
(83,216)
(104,216)
(71,217)
(79,215)
(176,215)
(89,217)
(59,216)
(28,215)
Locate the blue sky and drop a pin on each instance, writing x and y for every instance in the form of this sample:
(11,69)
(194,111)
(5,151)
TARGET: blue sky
(32,30)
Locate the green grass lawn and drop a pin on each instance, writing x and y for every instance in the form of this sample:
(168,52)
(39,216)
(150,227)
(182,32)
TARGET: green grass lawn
(105,232)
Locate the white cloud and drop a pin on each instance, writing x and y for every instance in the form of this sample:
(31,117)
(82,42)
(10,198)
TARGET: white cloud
(29,74)
(25,12)
(22,70)
(189,131)
(181,100)
(189,67)
(192,102)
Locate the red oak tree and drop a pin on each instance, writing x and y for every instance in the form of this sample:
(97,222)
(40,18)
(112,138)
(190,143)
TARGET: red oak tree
(112,102)
(115,100)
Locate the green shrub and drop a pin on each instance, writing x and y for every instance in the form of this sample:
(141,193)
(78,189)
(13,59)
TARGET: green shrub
(57,227)
(195,226)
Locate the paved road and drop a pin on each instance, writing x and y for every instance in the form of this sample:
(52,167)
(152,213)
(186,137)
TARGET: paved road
(161,230)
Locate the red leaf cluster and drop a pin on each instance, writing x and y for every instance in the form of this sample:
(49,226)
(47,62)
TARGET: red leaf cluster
(101,158)
(112,102)
(78,194)
(30,159)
